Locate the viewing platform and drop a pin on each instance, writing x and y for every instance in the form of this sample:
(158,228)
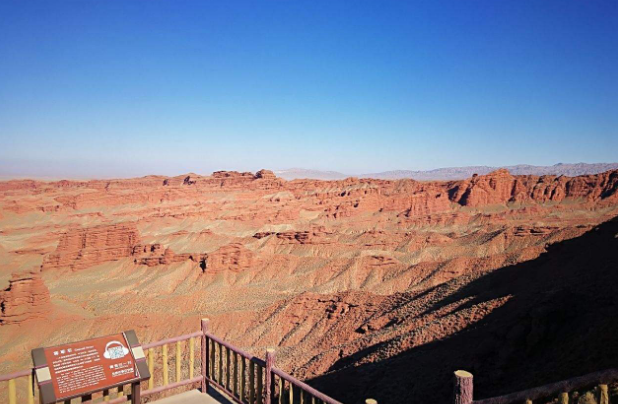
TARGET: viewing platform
(220,373)
(217,373)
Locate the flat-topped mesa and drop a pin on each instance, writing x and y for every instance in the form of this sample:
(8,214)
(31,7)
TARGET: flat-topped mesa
(80,248)
(25,299)
(232,174)
(263,179)
(229,179)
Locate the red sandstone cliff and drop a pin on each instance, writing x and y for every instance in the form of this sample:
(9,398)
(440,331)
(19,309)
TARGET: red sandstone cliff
(500,187)
(327,269)
(333,199)
(232,257)
(26,298)
(155,254)
(84,247)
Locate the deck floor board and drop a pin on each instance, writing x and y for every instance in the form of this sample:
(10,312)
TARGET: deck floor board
(195,397)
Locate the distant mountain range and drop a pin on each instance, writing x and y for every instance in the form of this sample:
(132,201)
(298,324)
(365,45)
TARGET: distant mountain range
(455,173)
(302,173)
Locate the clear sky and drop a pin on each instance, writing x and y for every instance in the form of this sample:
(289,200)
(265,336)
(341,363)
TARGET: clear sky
(122,88)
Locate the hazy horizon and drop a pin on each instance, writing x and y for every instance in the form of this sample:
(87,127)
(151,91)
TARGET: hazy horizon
(125,89)
(278,171)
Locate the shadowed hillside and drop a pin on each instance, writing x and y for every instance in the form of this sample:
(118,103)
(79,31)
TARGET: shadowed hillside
(334,274)
(559,321)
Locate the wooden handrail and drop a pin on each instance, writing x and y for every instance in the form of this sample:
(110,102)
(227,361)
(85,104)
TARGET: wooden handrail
(172,340)
(304,386)
(576,383)
(256,391)
(15,375)
(147,347)
(170,386)
(239,351)
(596,378)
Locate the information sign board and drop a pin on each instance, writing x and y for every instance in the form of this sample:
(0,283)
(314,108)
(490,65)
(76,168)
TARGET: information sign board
(81,368)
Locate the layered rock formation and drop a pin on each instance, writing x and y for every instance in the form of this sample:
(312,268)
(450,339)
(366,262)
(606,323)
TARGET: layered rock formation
(333,199)
(500,187)
(26,298)
(339,274)
(518,327)
(232,257)
(81,248)
(318,235)
(155,254)
(265,175)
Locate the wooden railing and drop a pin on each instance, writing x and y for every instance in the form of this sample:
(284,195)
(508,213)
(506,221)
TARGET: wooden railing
(185,346)
(247,379)
(12,379)
(234,371)
(464,389)
(158,353)
(289,390)
(251,380)
(244,378)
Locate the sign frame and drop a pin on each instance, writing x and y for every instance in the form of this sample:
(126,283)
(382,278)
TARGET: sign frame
(48,386)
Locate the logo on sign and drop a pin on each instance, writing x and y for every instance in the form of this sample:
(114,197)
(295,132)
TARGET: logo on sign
(115,350)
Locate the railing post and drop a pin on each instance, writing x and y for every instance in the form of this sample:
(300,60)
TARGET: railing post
(12,392)
(166,378)
(178,361)
(136,397)
(191,358)
(270,363)
(151,353)
(603,396)
(205,355)
(30,389)
(464,387)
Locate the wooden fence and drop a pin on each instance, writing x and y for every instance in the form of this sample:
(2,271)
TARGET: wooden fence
(562,391)
(244,378)
(247,379)
(251,380)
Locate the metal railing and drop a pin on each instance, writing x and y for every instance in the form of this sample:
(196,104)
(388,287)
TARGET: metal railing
(242,377)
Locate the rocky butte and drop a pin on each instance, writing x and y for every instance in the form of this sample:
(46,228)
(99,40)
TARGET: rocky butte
(356,281)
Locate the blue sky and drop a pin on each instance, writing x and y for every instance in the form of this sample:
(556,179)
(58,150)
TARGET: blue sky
(123,88)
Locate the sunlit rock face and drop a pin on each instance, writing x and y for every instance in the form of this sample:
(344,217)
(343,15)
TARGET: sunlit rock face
(26,298)
(337,274)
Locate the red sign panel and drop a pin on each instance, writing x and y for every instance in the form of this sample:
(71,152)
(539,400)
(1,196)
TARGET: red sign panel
(91,365)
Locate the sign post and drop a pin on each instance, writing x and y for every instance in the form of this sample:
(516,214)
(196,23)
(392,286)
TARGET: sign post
(81,368)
